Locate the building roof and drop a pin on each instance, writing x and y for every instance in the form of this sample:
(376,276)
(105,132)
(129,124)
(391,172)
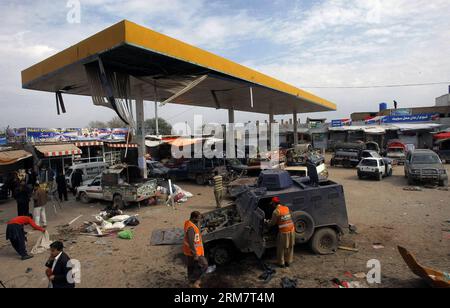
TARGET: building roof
(182,73)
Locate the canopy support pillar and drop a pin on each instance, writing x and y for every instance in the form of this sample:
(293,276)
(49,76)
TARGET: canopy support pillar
(295,120)
(140,133)
(231,138)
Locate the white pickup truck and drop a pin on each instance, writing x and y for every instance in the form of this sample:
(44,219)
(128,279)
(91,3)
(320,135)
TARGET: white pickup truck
(374,167)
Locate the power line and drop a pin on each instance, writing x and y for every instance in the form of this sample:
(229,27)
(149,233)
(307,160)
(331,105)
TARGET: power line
(382,86)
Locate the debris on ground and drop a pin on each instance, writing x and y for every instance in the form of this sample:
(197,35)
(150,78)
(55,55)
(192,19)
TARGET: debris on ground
(434,278)
(378,246)
(412,188)
(287,283)
(443,188)
(211,269)
(126,235)
(353,229)
(29,270)
(360,275)
(42,245)
(268,273)
(75,219)
(173,236)
(430,186)
(348,249)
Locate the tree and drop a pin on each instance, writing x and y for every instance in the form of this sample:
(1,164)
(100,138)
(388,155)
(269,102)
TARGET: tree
(164,127)
(116,122)
(97,124)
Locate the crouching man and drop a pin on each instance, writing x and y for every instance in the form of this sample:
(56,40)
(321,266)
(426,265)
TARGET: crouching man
(197,264)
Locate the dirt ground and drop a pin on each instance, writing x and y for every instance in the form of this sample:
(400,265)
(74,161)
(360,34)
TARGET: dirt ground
(382,211)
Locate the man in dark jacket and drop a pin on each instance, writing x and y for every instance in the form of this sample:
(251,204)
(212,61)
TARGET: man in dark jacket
(62,186)
(77,179)
(59,268)
(22,196)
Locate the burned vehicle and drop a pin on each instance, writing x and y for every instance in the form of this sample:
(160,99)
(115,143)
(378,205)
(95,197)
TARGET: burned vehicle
(347,155)
(124,185)
(319,214)
(200,170)
(396,150)
(425,166)
(297,159)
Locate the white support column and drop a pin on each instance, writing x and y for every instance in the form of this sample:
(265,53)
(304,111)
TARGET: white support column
(295,120)
(156,119)
(140,133)
(231,138)
(269,128)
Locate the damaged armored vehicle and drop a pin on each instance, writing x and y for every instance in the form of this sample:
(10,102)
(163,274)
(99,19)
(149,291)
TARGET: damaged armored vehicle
(319,214)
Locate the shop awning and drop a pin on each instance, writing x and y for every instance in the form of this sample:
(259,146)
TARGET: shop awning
(88,144)
(122,145)
(12,157)
(184,142)
(58,150)
(180,73)
(442,136)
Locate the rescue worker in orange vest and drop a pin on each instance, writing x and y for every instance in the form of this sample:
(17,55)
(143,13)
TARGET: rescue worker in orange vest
(282,218)
(194,251)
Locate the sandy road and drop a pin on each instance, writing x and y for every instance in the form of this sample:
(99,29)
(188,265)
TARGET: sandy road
(382,211)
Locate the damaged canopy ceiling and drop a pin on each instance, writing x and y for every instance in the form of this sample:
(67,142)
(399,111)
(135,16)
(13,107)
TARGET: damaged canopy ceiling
(128,61)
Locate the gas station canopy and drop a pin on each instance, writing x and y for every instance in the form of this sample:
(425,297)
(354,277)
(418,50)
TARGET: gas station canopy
(167,70)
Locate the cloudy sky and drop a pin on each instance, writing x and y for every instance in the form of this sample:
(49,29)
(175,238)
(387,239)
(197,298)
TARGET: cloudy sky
(310,44)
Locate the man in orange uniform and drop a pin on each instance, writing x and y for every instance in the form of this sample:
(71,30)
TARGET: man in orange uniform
(193,250)
(282,218)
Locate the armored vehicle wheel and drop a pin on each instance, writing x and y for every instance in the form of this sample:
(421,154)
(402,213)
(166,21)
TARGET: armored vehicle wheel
(332,163)
(347,164)
(84,198)
(324,241)
(118,203)
(304,227)
(443,183)
(410,181)
(222,254)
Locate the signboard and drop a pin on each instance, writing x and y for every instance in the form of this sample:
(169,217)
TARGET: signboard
(341,122)
(410,118)
(42,135)
(50,135)
(401,112)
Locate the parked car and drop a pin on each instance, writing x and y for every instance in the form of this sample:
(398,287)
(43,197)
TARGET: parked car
(374,168)
(157,170)
(425,166)
(88,170)
(201,170)
(3,189)
(347,154)
(444,150)
(396,151)
(122,185)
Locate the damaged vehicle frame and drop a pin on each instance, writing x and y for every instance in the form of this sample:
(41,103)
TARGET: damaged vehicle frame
(319,214)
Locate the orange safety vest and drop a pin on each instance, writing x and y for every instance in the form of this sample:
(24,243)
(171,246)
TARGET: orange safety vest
(198,242)
(285,224)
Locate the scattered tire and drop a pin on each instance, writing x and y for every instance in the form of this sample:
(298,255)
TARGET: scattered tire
(84,198)
(324,241)
(304,227)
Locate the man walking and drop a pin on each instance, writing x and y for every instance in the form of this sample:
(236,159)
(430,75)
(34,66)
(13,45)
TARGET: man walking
(62,186)
(282,218)
(58,267)
(16,234)
(40,200)
(218,189)
(194,251)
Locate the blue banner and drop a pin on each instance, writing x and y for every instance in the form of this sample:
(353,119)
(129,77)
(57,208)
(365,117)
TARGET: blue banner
(410,118)
(340,123)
